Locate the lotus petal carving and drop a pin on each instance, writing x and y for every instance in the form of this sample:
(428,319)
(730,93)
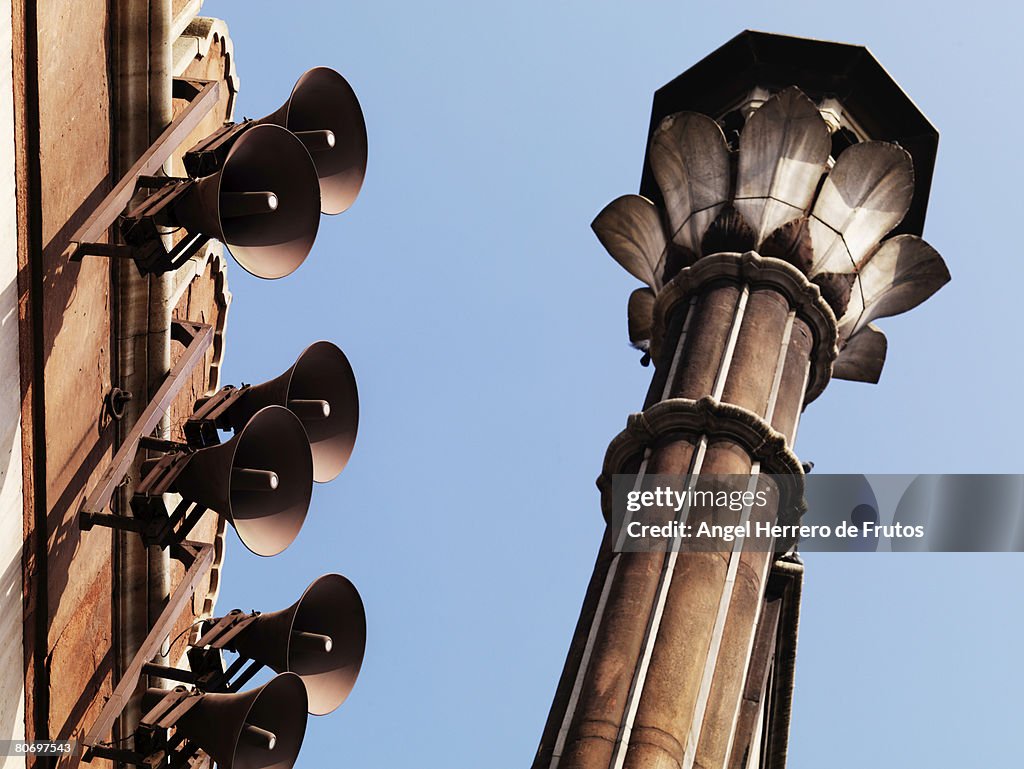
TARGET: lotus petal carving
(777,194)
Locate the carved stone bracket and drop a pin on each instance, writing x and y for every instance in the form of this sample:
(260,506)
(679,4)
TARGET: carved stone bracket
(716,421)
(756,271)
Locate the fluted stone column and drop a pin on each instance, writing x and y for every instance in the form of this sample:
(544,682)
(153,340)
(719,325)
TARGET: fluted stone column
(765,265)
(738,355)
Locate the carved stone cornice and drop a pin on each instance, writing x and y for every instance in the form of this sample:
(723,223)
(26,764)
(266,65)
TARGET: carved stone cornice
(716,421)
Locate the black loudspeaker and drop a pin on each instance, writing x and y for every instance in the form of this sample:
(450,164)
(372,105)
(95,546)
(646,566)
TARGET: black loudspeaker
(258,729)
(264,203)
(324,113)
(320,389)
(261,480)
(321,637)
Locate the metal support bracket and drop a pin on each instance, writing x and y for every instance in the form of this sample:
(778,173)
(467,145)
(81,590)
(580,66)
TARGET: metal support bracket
(201,555)
(161,444)
(219,634)
(209,154)
(140,227)
(201,428)
(208,673)
(171,674)
(152,521)
(85,240)
(197,338)
(158,475)
(176,703)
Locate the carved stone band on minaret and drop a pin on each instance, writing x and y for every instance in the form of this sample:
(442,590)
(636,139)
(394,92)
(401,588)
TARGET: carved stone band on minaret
(715,422)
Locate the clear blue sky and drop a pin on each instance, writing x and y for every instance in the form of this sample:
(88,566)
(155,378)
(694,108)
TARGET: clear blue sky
(487,329)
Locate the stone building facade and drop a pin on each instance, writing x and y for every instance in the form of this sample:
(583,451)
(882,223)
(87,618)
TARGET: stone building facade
(85,88)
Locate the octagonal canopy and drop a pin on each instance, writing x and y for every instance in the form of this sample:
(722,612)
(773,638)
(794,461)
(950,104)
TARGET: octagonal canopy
(849,73)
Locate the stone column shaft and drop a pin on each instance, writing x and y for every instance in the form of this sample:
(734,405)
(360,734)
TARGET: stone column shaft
(774,226)
(647,687)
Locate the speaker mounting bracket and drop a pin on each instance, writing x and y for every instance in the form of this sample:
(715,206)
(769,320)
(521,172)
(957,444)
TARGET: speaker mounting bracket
(158,474)
(208,155)
(201,428)
(140,227)
(219,632)
(211,674)
(207,672)
(151,520)
(204,95)
(161,444)
(161,528)
(198,557)
(152,747)
(197,338)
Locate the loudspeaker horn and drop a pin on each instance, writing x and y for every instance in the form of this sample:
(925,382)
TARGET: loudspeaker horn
(321,638)
(258,729)
(261,480)
(324,113)
(320,388)
(264,203)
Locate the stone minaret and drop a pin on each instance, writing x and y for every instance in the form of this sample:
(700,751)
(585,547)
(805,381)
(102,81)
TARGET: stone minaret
(785,188)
